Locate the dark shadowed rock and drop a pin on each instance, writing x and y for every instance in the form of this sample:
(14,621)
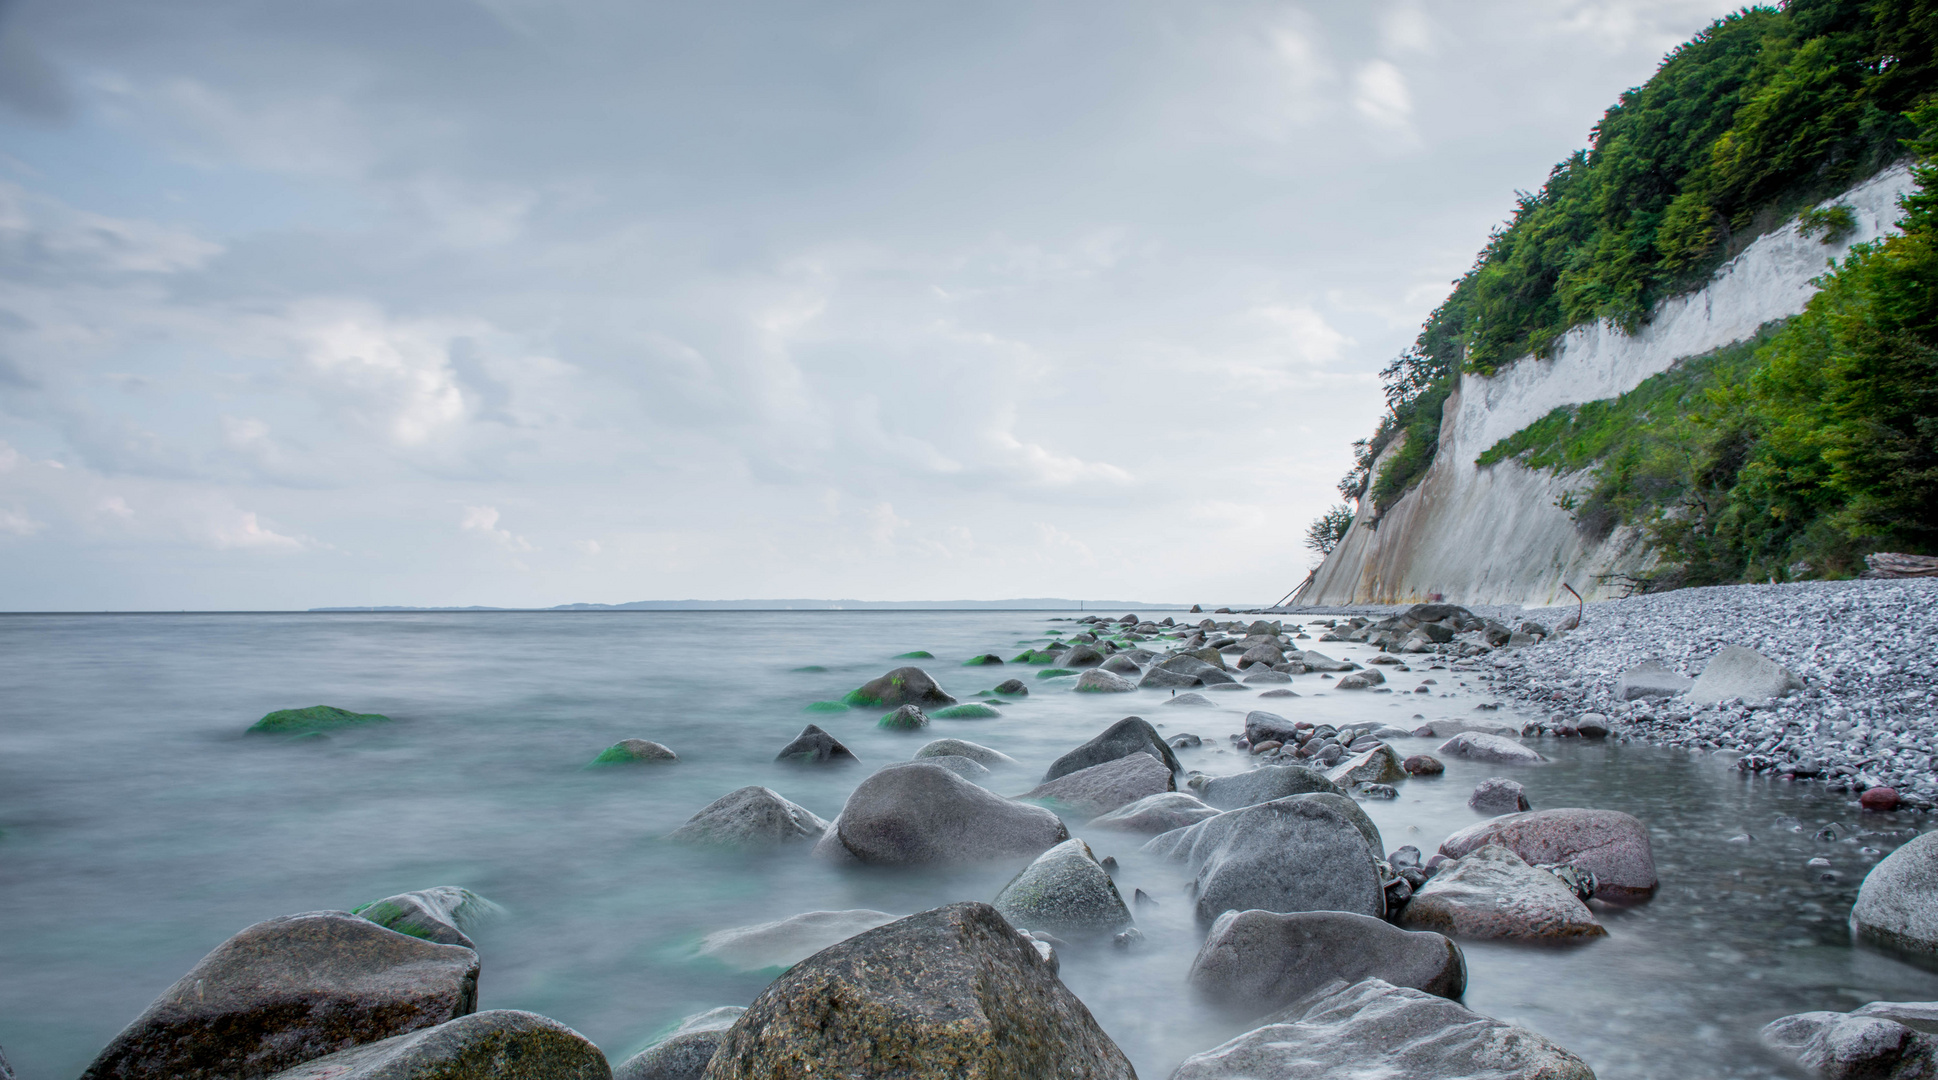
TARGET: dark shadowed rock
(903,686)
(752,816)
(501,1044)
(1258,961)
(314,718)
(1865,1044)
(1897,906)
(1260,785)
(1155,814)
(1494,749)
(976,752)
(1302,853)
(288,990)
(1065,891)
(1379,764)
(1318,661)
(1423,765)
(1103,788)
(1608,843)
(1492,893)
(1081,656)
(635,752)
(916,812)
(788,941)
(1499,795)
(814,746)
(1262,726)
(1159,678)
(1013,688)
(683,1053)
(441,913)
(906,718)
(1122,664)
(954,992)
(1131,735)
(1374,1029)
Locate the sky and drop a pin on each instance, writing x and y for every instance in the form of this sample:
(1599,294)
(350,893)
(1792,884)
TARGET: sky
(528,302)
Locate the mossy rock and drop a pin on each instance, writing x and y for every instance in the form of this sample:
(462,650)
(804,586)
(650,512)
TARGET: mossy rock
(985,660)
(919,654)
(633,752)
(314,718)
(1051,673)
(971,711)
(825,706)
(906,718)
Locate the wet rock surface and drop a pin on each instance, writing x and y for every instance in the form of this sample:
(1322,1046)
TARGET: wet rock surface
(1066,892)
(683,1053)
(1101,789)
(976,752)
(1871,1043)
(1131,735)
(1303,853)
(813,746)
(1613,846)
(1255,962)
(1155,814)
(902,686)
(441,913)
(501,1044)
(1263,784)
(1492,893)
(752,816)
(788,941)
(1495,749)
(916,812)
(1897,906)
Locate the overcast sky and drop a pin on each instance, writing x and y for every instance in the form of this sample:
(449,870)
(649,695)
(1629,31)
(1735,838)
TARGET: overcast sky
(524,302)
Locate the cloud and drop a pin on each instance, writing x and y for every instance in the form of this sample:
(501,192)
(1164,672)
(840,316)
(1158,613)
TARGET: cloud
(1380,94)
(16,521)
(484,519)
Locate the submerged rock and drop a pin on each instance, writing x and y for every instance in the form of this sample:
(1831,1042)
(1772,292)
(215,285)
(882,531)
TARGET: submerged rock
(813,746)
(1013,688)
(970,770)
(1609,844)
(1261,785)
(683,1053)
(1187,699)
(1737,672)
(314,718)
(956,991)
(971,711)
(752,816)
(1081,656)
(289,990)
(1496,749)
(1441,729)
(788,941)
(906,718)
(985,660)
(1492,893)
(1155,814)
(976,752)
(1499,795)
(635,752)
(1379,764)
(1131,735)
(1423,765)
(1897,906)
(1065,891)
(1259,961)
(903,686)
(1100,789)
(1866,1044)
(1262,726)
(1375,1029)
(502,1044)
(441,913)
(1302,853)
(917,812)
(1099,681)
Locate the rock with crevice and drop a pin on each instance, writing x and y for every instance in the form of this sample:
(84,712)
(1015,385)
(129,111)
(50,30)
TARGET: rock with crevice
(917,812)
(1609,844)
(1313,852)
(1100,789)
(683,1053)
(1254,962)
(1491,893)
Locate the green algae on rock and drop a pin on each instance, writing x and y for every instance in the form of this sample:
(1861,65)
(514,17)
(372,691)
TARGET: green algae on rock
(1055,672)
(314,718)
(633,752)
(985,660)
(971,711)
(825,706)
(919,654)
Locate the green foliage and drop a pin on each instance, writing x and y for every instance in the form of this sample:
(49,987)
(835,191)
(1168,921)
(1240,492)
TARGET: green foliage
(1324,534)
(1833,223)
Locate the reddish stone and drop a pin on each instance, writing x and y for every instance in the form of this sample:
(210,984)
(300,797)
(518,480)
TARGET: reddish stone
(1269,744)
(1423,765)
(1880,799)
(1611,844)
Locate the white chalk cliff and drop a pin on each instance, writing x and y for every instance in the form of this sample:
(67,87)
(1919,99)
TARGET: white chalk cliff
(1495,535)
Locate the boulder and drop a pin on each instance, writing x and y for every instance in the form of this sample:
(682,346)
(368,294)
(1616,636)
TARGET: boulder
(752,816)
(1262,726)
(1262,653)
(1123,665)
(1858,1045)
(1155,814)
(1737,672)
(1880,799)
(1183,741)
(788,941)
(1442,729)
(1423,765)
(1897,906)
(1131,735)
(1066,892)
(966,768)
(1651,679)
(1493,893)
(974,710)
(314,718)
(1013,688)
(1318,661)
(916,812)
(635,752)
(501,1044)
(1263,675)
(1258,962)
(1099,681)
(1081,656)
(1187,699)
(1494,749)
(1498,795)
(976,752)
(683,1053)
(1159,678)
(1103,788)
(903,686)
(1191,664)
(1607,843)
(814,746)
(441,913)
(906,718)
(1379,764)
(955,992)
(1263,784)
(1375,1029)
(1302,853)
(1361,680)
(288,990)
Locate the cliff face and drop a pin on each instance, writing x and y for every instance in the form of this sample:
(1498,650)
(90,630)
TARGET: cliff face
(1494,535)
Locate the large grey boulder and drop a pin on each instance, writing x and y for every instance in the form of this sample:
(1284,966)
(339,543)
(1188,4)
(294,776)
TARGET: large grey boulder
(969,770)
(1651,679)
(976,752)
(788,941)
(635,752)
(440,913)
(1123,665)
(752,816)
(1162,678)
(502,1044)
(1263,784)
(813,746)
(1373,1029)
(1065,891)
(1262,726)
(1444,728)
(1608,843)
(1494,749)
(1737,672)
(916,812)
(954,992)
(1318,661)
(1260,961)
(903,686)
(1492,893)
(1870,1043)
(1155,814)
(288,990)
(1080,656)
(1378,765)
(1099,681)
(1131,735)
(1103,788)
(1302,853)
(683,1053)
(1897,906)
(1498,795)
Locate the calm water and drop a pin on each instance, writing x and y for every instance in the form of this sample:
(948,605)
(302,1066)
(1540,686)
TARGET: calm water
(141,828)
